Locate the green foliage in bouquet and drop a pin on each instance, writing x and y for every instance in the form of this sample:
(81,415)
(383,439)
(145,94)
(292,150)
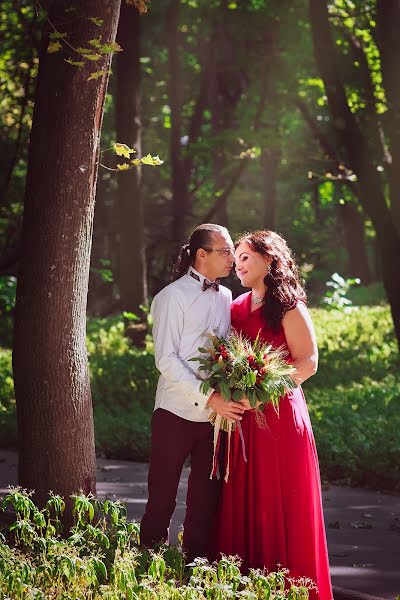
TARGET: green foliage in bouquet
(239,368)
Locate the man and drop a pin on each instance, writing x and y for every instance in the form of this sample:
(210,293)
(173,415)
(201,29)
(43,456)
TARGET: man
(184,312)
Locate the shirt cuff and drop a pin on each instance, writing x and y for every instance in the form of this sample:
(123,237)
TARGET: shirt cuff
(201,399)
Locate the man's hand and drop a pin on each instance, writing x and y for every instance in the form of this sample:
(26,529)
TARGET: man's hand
(229,409)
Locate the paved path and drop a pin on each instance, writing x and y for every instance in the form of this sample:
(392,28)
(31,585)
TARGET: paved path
(363,527)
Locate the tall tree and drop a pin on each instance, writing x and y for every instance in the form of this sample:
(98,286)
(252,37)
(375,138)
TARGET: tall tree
(54,408)
(179,175)
(361,156)
(132,278)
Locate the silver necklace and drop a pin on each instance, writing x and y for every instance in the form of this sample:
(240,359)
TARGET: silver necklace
(256,299)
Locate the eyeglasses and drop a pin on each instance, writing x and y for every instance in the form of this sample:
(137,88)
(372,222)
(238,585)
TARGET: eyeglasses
(223,251)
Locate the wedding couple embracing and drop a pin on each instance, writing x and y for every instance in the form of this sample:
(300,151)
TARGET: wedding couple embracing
(269,512)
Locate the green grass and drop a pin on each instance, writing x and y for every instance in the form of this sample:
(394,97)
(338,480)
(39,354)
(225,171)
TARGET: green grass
(354,399)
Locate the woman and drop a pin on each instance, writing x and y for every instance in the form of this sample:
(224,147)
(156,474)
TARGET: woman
(271,509)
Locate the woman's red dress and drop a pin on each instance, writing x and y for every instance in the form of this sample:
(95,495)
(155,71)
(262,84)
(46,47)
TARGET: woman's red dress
(271,507)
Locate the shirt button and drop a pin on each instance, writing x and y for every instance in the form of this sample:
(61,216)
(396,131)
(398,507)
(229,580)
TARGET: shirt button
(196,403)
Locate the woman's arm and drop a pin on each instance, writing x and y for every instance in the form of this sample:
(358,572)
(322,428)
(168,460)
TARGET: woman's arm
(301,341)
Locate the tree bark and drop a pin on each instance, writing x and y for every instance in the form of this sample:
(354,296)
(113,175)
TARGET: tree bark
(371,186)
(54,408)
(270,161)
(132,276)
(217,127)
(354,237)
(388,27)
(179,179)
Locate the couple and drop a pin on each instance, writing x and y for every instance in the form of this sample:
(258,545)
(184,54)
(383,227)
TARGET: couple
(269,512)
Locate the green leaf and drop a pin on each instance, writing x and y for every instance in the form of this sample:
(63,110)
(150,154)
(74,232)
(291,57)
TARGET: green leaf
(93,56)
(75,63)
(98,74)
(151,160)
(262,395)
(100,567)
(82,50)
(217,366)
(53,47)
(109,48)
(56,35)
(225,390)
(123,150)
(205,386)
(96,21)
(95,42)
(238,395)
(123,167)
(252,396)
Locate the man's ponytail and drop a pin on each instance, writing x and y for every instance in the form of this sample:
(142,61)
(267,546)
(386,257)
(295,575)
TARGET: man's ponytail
(200,238)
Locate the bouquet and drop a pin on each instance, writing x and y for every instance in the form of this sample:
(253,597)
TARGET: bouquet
(239,368)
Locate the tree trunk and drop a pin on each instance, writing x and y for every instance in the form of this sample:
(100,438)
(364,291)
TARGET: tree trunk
(54,408)
(270,161)
(179,176)
(388,25)
(372,192)
(215,102)
(354,237)
(132,259)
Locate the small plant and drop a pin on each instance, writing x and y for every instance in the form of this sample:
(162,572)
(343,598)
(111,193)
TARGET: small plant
(102,559)
(336,298)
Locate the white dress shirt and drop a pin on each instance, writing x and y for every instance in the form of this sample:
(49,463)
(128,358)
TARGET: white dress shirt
(183,315)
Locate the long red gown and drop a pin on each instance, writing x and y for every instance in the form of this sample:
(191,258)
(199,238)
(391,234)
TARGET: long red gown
(271,508)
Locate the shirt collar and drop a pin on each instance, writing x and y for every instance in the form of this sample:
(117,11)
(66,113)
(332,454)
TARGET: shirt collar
(196,277)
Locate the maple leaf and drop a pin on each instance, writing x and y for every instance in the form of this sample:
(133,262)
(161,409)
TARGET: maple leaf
(98,74)
(53,46)
(123,150)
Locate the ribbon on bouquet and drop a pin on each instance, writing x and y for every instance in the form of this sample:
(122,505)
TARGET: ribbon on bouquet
(219,422)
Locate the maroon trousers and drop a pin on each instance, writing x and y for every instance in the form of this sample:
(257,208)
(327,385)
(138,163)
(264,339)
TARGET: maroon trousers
(173,440)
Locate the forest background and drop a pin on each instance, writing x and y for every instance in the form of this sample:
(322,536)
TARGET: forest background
(279,115)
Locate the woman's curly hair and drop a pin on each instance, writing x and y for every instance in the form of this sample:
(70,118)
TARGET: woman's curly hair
(284,288)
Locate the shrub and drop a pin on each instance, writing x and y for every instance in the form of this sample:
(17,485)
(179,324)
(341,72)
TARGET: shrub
(8,421)
(353,399)
(100,558)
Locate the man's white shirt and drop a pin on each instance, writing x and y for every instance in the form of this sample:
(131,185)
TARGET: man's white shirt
(183,316)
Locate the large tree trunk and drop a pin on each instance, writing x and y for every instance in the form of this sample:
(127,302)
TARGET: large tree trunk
(132,260)
(388,27)
(354,237)
(54,408)
(179,175)
(361,160)
(270,160)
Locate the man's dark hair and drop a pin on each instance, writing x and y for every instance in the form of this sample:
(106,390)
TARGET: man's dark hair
(200,238)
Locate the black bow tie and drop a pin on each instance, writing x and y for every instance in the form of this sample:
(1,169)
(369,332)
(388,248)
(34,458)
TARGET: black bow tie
(210,284)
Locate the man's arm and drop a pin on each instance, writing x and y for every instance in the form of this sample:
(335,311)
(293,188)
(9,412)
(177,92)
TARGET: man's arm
(168,319)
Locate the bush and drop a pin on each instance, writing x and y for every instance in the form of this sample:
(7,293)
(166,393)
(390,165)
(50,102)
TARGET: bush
(123,381)
(8,420)
(8,287)
(99,558)
(354,399)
